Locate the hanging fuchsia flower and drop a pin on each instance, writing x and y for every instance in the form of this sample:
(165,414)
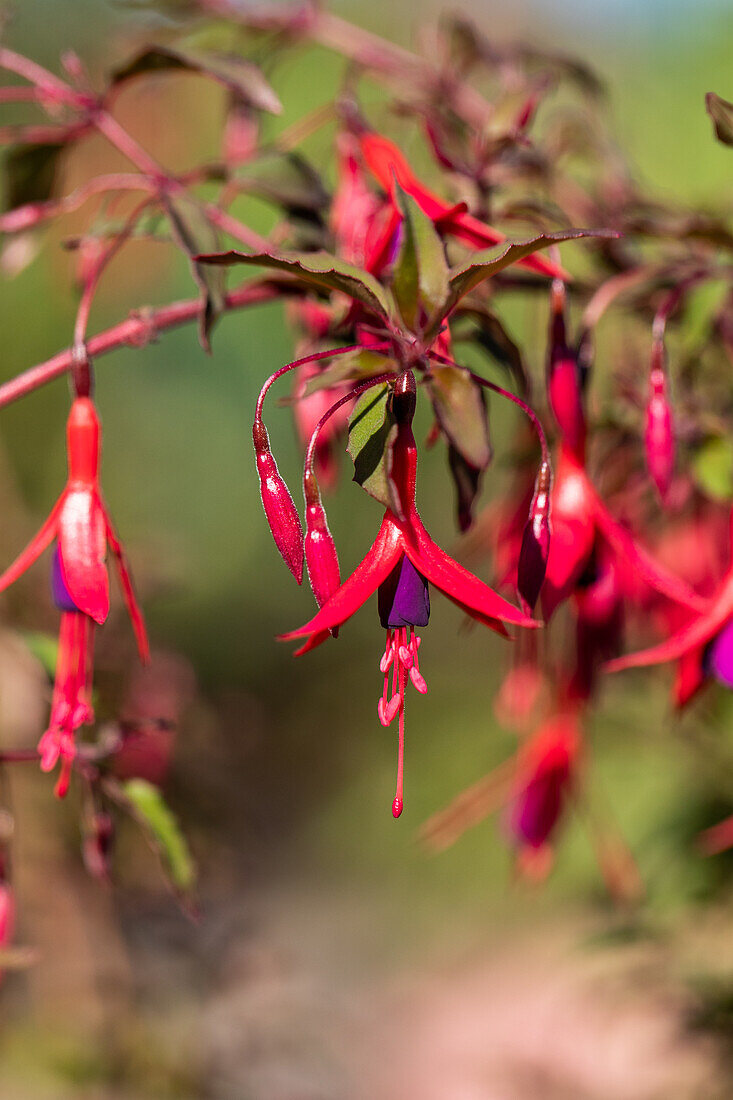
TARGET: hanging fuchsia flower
(82,528)
(659,441)
(401,564)
(703,647)
(546,770)
(564,382)
(534,786)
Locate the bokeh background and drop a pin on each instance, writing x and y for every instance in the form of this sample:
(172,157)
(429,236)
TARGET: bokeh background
(335,960)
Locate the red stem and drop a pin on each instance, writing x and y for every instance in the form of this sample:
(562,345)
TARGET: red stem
(140,327)
(313,358)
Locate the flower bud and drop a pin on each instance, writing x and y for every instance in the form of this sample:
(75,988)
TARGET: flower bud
(282,515)
(7,916)
(564,383)
(659,443)
(535,540)
(320,550)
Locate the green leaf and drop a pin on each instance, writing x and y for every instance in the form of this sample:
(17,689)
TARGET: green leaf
(44,647)
(467,481)
(721,112)
(493,337)
(239,76)
(420,278)
(194,234)
(163,830)
(483,265)
(315,269)
(30,173)
(283,178)
(372,431)
(712,468)
(460,409)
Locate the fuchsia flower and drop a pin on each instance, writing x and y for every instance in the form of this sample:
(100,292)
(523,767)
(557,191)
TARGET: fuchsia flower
(534,786)
(400,565)
(7,916)
(81,525)
(659,441)
(703,647)
(546,771)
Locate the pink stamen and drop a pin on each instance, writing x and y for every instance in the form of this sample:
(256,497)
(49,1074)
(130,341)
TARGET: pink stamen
(401,659)
(397,804)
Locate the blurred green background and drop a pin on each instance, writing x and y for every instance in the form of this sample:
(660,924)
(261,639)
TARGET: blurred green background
(335,959)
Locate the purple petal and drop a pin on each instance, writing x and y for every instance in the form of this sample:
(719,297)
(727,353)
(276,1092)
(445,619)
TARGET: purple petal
(537,808)
(718,658)
(59,591)
(403,598)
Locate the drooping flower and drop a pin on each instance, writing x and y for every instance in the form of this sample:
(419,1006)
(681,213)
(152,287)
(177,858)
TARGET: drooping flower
(533,785)
(400,565)
(80,524)
(546,769)
(703,647)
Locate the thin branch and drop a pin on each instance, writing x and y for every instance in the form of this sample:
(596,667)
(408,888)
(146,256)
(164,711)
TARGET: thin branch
(142,326)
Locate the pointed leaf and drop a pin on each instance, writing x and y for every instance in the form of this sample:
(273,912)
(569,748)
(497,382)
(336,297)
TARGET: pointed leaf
(460,409)
(483,265)
(156,818)
(195,234)
(420,279)
(241,77)
(494,338)
(721,112)
(467,480)
(314,269)
(372,431)
(287,179)
(30,173)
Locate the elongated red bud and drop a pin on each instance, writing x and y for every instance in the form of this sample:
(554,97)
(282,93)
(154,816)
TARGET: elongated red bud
(535,540)
(659,442)
(282,515)
(564,384)
(7,916)
(320,549)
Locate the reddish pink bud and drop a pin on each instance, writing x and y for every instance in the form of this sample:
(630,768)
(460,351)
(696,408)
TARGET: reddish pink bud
(241,134)
(320,549)
(282,515)
(659,443)
(535,540)
(7,916)
(564,387)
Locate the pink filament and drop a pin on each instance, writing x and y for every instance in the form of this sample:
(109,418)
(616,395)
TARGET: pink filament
(401,661)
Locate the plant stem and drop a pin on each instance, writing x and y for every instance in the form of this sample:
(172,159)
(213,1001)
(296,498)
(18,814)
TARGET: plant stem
(137,330)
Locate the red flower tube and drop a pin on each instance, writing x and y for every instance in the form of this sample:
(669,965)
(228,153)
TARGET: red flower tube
(80,523)
(401,563)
